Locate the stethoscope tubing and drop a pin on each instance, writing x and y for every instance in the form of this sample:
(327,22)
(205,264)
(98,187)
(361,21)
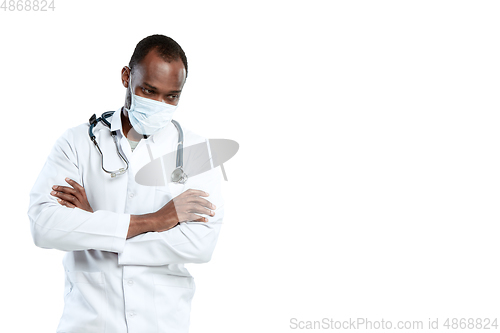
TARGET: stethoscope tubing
(178,175)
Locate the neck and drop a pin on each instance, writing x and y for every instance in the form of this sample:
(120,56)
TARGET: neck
(127,128)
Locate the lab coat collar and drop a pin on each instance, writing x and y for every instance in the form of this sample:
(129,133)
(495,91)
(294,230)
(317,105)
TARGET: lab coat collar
(116,125)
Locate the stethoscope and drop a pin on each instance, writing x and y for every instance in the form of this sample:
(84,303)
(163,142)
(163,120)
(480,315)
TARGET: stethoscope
(178,175)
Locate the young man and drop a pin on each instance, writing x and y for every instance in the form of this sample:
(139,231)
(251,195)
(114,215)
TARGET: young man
(127,243)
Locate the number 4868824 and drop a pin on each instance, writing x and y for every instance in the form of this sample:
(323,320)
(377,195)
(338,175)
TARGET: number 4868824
(27,5)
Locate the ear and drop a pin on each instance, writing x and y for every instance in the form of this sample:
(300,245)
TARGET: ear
(125,76)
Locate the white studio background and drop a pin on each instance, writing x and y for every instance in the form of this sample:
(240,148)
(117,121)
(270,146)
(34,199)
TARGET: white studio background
(367,181)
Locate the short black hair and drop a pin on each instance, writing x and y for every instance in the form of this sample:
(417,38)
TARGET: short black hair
(166,47)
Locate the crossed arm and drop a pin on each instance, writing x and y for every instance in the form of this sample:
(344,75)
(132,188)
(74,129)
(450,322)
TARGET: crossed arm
(182,208)
(173,234)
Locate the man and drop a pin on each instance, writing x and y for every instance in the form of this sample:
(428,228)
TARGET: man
(127,243)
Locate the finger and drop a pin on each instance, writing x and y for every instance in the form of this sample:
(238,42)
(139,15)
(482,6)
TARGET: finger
(65,189)
(65,203)
(201,210)
(80,190)
(75,185)
(194,192)
(196,218)
(202,202)
(195,199)
(192,207)
(66,197)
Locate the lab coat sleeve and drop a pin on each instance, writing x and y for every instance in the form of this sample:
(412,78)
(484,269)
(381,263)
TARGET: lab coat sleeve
(70,229)
(188,242)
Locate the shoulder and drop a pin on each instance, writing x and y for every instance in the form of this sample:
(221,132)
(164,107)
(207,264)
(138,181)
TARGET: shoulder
(72,136)
(68,142)
(80,133)
(76,140)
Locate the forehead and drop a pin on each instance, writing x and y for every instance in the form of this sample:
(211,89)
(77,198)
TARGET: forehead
(164,75)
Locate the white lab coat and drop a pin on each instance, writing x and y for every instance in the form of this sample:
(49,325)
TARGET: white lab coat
(115,285)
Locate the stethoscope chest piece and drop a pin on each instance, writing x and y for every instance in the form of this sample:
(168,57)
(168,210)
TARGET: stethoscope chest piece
(178,176)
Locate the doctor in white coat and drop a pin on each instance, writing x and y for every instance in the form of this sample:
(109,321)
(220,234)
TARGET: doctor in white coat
(126,244)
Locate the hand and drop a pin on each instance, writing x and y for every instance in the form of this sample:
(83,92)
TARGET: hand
(72,197)
(182,208)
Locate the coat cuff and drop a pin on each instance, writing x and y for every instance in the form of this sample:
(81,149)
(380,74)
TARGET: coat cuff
(122,225)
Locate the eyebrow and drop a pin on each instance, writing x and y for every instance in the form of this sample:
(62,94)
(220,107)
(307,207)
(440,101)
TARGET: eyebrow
(150,86)
(153,87)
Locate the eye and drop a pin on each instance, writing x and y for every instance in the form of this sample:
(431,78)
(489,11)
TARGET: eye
(148,91)
(173,96)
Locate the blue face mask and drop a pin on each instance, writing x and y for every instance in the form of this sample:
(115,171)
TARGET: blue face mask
(148,116)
